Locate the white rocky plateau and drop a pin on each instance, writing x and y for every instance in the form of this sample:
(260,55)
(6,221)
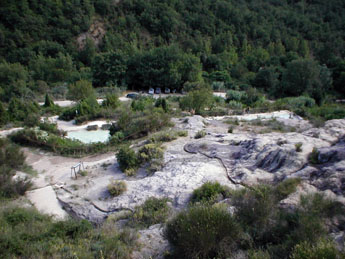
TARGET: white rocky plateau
(236,160)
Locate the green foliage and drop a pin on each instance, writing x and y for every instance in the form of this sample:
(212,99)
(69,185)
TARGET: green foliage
(209,192)
(298,147)
(55,143)
(110,69)
(323,249)
(11,159)
(48,102)
(197,100)
(116,188)
(81,90)
(27,233)
(203,232)
(162,102)
(150,152)
(200,134)
(152,211)
(285,188)
(327,112)
(167,136)
(111,101)
(138,124)
(314,156)
(127,159)
(304,77)
(233,95)
(142,103)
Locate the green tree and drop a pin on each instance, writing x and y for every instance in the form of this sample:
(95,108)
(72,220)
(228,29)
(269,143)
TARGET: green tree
(197,100)
(306,77)
(109,69)
(81,90)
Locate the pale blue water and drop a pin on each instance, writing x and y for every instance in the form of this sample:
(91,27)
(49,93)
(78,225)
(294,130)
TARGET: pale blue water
(89,136)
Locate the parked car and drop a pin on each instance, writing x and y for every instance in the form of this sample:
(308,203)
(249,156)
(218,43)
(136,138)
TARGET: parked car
(158,90)
(151,91)
(132,96)
(167,91)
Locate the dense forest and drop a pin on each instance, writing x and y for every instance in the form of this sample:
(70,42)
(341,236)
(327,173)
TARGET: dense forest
(282,48)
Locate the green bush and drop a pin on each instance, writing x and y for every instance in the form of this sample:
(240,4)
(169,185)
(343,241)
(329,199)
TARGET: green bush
(111,101)
(11,159)
(235,96)
(127,159)
(25,233)
(314,156)
(203,232)
(152,211)
(209,192)
(321,250)
(54,143)
(139,124)
(200,134)
(117,138)
(116,188)
(285,188)
(298,146)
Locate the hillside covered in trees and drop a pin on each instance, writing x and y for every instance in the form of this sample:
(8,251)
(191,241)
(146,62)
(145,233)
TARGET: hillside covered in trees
(282,48)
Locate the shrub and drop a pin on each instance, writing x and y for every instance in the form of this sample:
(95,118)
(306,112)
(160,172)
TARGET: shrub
(152,211)
(236,96)
(209,192)
(235,105)
(298,147)
(27,233)
(127,159)
(231,129)
(11,159)
(150,152)
(197,100)
(314,156)
(321,250)
(285,188)
(161,102)
(200,134)
(258,199)
(111,101)
(117,138)
(203,232)
(116,188)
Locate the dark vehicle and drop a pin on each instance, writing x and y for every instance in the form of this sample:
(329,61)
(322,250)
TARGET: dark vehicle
(167,91)
(158,90)
(132,96)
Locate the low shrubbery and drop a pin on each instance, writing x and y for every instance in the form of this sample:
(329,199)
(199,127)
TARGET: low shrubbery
(258,226)
(55,143)
(167,136)
(149,154)
(116,188)
(314,156)
(11,159)
(203,232)
(152,211)
(138,124)
(26,233)
(200,134)
(209,192)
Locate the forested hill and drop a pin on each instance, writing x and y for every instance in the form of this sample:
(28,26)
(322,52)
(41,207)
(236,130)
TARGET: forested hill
(281,47)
